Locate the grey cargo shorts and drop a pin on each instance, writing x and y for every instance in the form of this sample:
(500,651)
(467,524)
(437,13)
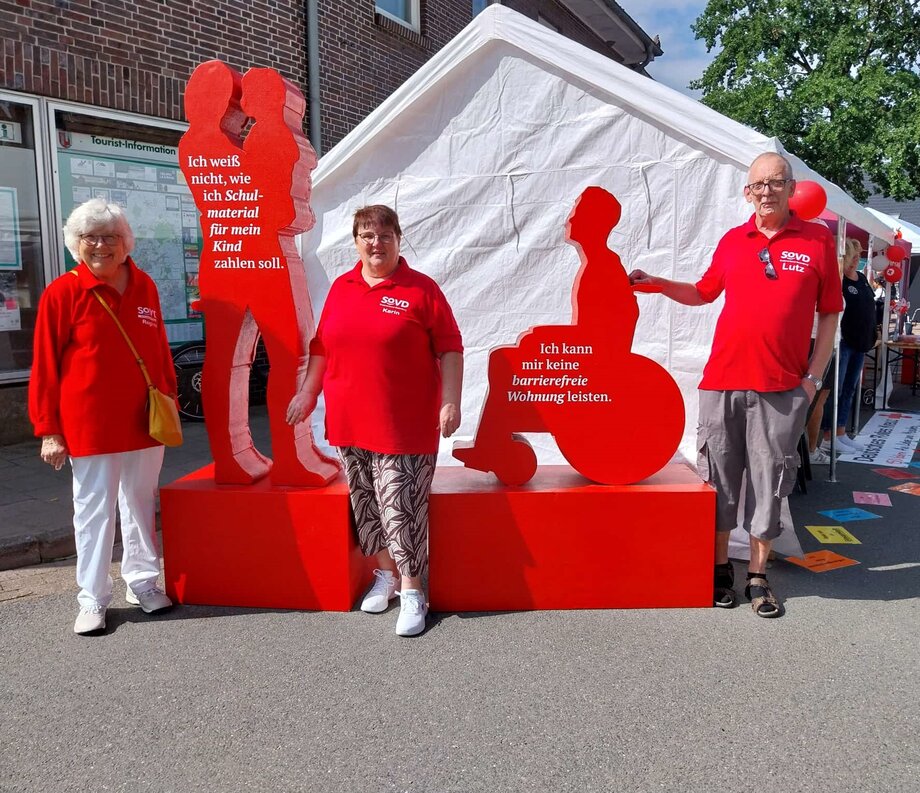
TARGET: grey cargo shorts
(756,433)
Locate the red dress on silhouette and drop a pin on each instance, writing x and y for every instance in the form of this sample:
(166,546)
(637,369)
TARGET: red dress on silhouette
(618,417)
(270,172)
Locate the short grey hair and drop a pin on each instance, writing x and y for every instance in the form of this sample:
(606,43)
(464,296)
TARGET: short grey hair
(95,217)
(787,166)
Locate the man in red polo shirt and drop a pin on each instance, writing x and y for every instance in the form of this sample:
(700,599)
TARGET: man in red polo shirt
(776,271)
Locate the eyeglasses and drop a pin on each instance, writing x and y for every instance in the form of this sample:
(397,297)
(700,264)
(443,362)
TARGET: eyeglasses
(95,239)
(775,185)
(368,239)
(768,269)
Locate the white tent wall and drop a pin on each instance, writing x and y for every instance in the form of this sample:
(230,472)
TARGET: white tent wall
(483,154)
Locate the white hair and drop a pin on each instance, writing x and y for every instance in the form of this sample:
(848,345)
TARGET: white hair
(96,217)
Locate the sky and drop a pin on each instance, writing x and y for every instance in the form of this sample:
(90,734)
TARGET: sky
(684,57)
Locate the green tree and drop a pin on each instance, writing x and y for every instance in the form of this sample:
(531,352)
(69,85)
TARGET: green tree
(835,80)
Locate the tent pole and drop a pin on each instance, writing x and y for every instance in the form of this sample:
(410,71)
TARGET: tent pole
(835,389)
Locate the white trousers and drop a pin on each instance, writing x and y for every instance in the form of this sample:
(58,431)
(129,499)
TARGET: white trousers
(100,481)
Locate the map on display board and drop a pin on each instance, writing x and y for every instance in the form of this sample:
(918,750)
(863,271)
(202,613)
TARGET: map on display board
(145,179)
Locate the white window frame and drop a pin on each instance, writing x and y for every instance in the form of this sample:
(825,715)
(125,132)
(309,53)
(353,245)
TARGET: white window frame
(414,11)
(42,167)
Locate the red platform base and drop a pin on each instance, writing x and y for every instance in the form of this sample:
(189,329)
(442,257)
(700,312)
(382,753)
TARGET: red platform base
(260,546)
(559,542)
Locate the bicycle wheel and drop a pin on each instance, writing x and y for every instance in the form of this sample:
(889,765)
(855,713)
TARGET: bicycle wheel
(188,361)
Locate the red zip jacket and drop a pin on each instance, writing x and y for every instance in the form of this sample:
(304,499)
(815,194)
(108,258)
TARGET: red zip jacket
(85,383)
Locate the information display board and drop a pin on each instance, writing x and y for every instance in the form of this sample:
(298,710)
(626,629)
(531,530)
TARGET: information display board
(145,179)
(10,246)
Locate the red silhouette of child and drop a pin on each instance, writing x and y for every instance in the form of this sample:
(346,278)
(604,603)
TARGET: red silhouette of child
(251,277)
(617,417)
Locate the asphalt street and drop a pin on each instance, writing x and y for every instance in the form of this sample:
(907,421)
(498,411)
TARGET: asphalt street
(219,699)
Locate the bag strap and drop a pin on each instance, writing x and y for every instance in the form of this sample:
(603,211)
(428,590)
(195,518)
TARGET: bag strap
(140,361)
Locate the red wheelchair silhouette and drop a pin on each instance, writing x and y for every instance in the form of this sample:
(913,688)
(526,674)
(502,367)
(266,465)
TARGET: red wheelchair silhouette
(617,417)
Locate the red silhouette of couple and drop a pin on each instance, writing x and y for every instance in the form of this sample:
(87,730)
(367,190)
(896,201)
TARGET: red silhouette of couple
(253,197)
(617,417)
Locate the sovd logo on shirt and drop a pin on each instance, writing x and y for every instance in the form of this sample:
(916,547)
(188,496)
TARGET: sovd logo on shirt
(791,261)
(393,305)
(147,315)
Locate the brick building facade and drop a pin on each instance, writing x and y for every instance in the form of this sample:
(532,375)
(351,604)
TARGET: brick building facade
(81,79)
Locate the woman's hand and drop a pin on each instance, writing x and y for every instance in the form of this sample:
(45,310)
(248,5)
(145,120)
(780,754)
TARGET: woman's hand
(54,452)
(301,406)
(449,419)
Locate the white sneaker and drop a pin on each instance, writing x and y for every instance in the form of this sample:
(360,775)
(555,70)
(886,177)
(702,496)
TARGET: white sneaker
(150,600)
(846,443)
(382,591)
(412,612)
(819,457)
(91,619)
(826,448)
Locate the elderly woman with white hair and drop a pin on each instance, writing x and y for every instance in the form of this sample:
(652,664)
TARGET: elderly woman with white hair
(88,403)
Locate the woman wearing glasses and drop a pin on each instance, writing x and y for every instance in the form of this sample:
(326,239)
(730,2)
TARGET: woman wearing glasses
(389,358)
(88,403)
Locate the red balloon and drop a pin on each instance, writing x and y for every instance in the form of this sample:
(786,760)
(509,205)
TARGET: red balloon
(895,253)
(808,200)
(893,274)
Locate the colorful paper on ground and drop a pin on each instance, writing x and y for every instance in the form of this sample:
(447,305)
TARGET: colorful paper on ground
(822,561)
(852,513)
(913,488)
(836,535)
(897,473)
(879,499)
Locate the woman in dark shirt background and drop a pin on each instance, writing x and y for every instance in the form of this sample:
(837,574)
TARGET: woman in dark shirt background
(858,334)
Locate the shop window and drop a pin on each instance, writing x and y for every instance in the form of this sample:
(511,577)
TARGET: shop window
(137,167)
(22,258)
(404,11)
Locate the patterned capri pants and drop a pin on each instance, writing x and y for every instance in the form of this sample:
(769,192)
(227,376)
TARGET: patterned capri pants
(389,501)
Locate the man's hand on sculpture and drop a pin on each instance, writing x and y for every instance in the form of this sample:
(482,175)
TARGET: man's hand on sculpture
(449,419)
(642,277)
(300,407)
(54,452)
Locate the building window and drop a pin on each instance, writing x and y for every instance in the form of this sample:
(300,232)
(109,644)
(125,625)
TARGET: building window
(22,241)
(137,167)
(479,6)
(403,11)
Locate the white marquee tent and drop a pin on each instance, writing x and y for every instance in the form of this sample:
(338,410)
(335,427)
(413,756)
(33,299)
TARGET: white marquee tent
(483,153)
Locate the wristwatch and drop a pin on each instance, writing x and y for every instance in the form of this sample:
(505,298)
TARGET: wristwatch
(816,380)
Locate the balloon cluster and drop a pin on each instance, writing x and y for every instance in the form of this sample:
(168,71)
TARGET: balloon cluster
(889,263)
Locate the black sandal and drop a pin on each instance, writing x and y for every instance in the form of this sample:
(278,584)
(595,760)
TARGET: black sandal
(763,601)
(724,596)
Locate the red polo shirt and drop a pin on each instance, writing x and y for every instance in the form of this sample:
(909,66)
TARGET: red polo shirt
(383,377)
(762,336)
(85,383)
